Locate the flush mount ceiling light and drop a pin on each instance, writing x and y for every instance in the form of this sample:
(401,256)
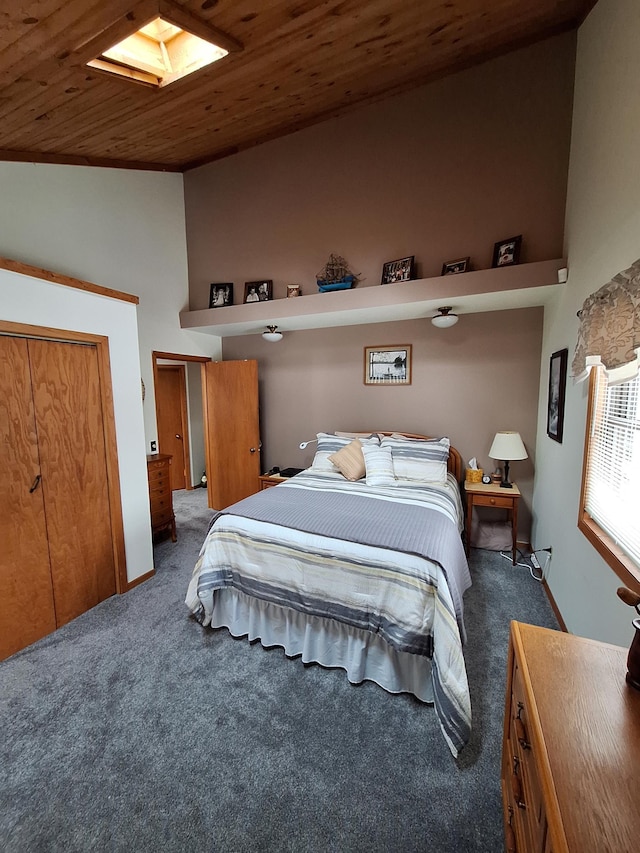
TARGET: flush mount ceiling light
(445,319)
(160,46)
(272,334)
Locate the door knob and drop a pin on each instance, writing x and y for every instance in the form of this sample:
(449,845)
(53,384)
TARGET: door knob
(252,450)
(179,436)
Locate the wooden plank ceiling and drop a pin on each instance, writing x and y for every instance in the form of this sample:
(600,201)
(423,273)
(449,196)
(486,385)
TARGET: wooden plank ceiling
(302,62)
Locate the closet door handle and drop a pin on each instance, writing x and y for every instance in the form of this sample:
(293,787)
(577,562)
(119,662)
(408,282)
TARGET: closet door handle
(36,483)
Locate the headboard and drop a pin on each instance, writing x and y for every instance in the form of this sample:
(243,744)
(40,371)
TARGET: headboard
(454,465)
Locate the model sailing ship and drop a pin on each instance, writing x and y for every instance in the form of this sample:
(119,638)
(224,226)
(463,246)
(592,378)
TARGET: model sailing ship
(335,275)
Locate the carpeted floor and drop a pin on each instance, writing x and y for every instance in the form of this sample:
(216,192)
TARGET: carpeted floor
(133,729)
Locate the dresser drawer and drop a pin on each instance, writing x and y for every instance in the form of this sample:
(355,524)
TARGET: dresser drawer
(159,475)
(160,501)
(160,488)
(161,516)
(159,465)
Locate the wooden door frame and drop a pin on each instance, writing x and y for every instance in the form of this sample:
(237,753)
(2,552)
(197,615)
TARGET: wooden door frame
(184,418)
(101,343)
(172,356)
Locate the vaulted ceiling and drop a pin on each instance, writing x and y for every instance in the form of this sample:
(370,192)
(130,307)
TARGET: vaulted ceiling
(301,62)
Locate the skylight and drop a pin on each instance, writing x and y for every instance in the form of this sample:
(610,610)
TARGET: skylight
(161,52)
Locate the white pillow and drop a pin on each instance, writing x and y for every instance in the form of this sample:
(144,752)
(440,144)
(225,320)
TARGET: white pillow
(420,460)
(329,443)
(379,465)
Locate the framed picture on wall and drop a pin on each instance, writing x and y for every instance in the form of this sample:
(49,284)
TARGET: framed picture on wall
(387,365)
(557,387)
(399,270)
(221,294)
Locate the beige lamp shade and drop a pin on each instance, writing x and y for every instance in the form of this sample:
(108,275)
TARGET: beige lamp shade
(508,446)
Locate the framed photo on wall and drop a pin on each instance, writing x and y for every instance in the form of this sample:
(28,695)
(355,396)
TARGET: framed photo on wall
(400,270)
(557,388)
(221,294)
(387,365)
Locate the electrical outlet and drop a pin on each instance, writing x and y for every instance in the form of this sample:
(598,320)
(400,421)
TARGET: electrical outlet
(534,560)
(154,447)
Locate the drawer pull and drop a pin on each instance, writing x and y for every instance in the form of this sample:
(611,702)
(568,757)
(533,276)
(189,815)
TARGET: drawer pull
(492,500)
(510,835)
(521,732)
(516,785)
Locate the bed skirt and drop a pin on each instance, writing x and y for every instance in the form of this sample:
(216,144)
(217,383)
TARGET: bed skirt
(364,656)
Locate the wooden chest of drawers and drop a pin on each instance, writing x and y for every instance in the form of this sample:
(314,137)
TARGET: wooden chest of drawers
(160,495)
(571,746)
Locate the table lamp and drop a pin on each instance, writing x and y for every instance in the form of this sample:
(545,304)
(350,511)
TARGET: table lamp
(506,447)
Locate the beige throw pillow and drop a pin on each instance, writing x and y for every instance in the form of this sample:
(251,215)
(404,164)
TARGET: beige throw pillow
(350,461)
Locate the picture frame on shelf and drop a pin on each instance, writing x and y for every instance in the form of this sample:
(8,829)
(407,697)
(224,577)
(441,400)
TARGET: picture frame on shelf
(454,267)
(387,365)
(293,290)
(258,291)
(557,390)
(221,294)
(401,269)
(507,252)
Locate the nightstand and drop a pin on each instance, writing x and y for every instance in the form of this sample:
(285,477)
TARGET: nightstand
(479,494)
(268,480)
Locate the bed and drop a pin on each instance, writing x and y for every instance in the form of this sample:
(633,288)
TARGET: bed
(356,567)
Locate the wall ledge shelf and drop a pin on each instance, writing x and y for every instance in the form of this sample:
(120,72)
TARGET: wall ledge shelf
(520,286)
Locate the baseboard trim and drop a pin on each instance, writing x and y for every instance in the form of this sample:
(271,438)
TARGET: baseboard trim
(555,608)
(552,602)
(137,581)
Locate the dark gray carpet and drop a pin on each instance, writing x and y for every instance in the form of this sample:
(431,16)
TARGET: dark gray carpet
(133,729)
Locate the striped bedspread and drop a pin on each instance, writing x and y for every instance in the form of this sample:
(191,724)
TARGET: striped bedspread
(389,561)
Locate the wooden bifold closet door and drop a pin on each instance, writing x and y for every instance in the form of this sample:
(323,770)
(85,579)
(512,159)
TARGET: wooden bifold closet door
(56,559)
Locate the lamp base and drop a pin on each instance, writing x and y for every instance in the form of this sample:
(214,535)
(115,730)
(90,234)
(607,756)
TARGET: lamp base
(505,484)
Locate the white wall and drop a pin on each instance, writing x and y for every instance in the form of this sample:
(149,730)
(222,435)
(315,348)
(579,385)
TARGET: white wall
(119,228)
(602,238)
(125,230)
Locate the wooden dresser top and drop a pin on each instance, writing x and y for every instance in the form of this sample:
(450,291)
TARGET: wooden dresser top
(588,723)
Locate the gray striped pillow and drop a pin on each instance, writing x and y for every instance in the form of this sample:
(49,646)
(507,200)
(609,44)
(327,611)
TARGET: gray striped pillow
(329,443)
(419,459)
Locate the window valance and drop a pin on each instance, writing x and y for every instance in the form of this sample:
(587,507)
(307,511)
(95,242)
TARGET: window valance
(609,332)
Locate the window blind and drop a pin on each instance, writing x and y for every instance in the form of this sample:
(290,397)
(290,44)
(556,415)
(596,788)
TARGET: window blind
(613,468)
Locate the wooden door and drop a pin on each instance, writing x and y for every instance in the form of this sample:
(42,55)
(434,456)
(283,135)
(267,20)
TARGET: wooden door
(232,430)
(27,610)
(171,413)
(71,440)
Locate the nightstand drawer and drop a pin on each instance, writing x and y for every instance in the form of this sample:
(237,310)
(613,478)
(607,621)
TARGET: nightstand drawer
(269,480)
(493,500)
